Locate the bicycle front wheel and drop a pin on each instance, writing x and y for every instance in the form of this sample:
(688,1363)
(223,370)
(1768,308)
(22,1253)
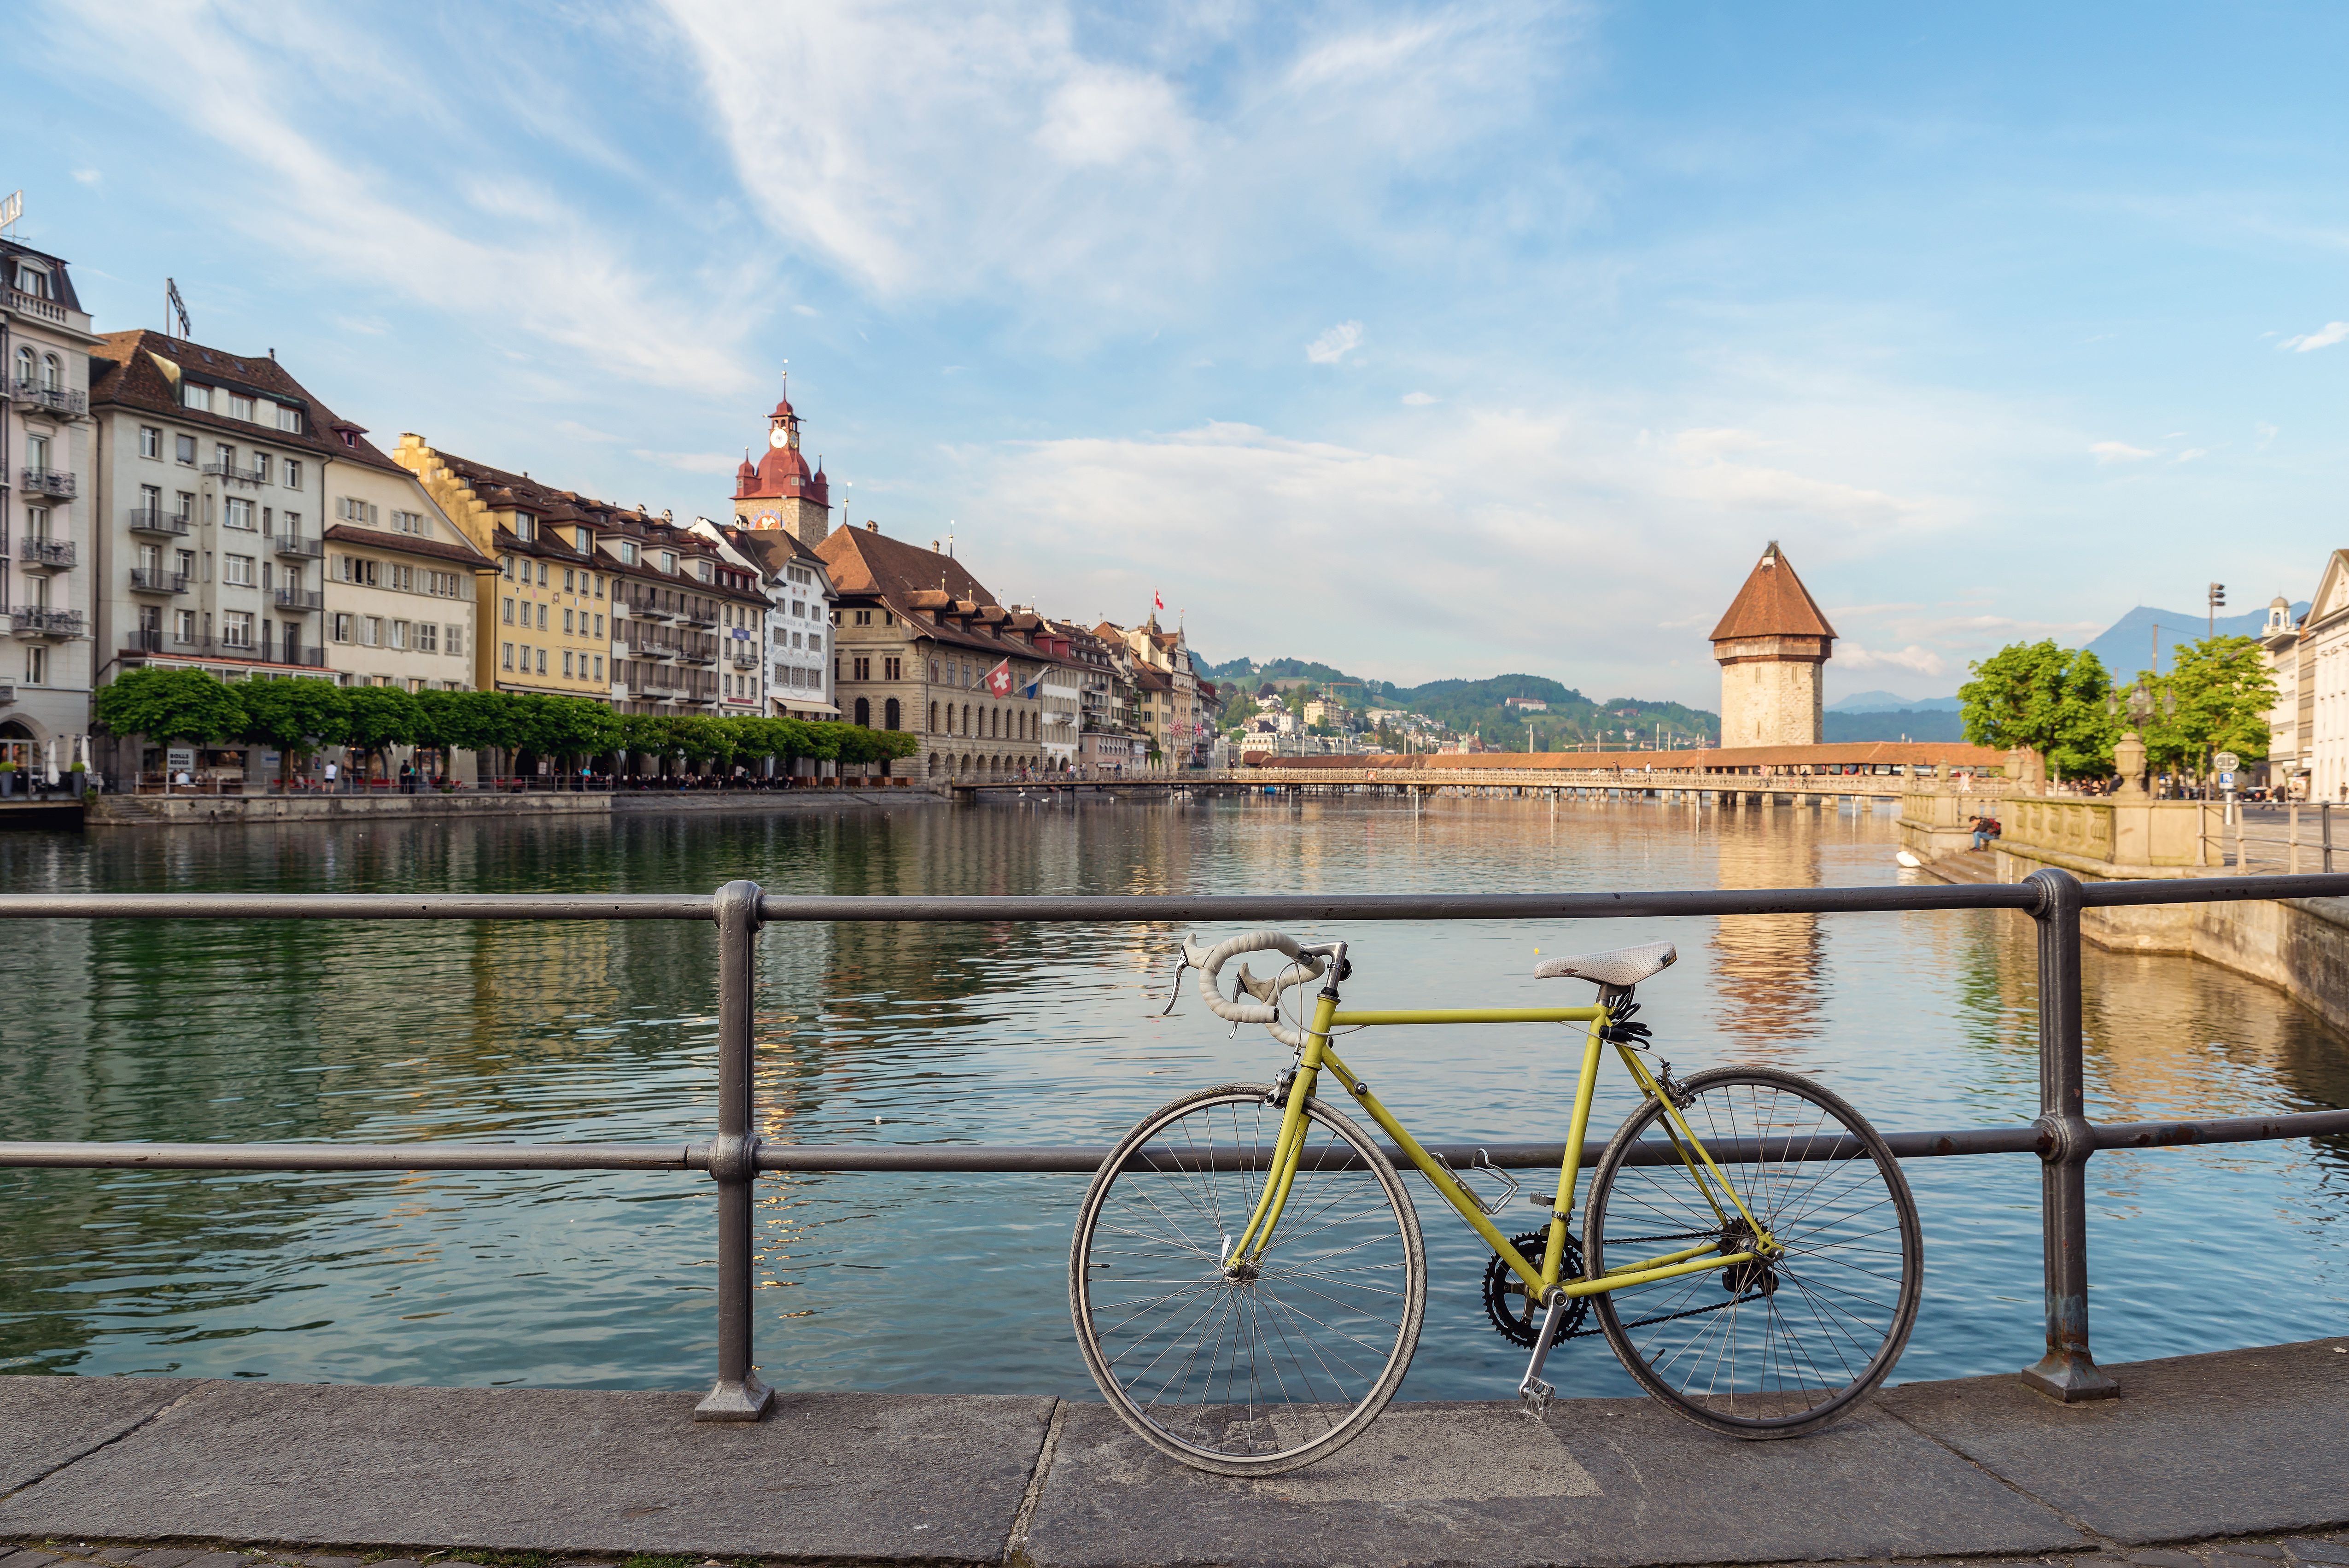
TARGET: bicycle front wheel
(1768,1349)
(1256,1370)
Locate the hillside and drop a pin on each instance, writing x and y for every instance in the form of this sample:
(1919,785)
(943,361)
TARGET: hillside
(1907,724)
(1476,706)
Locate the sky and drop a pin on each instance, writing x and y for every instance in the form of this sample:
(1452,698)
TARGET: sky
(1424,340)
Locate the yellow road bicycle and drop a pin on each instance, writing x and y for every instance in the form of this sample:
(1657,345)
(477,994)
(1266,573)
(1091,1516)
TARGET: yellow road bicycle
(1248,1281)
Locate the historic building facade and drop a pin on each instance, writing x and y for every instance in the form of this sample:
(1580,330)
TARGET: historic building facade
(48,546)
(1771,645)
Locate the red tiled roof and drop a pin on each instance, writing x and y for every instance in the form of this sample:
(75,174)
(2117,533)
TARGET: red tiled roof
(124,371)
(406,544)
(1773,603)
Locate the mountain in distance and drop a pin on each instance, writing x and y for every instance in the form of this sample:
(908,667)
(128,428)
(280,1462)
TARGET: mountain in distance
(1889,702)
(2127,645)
(1900,724)
(1478,706)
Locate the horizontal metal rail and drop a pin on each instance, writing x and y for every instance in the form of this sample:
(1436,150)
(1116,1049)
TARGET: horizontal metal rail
(2062,1138)
(943,1159)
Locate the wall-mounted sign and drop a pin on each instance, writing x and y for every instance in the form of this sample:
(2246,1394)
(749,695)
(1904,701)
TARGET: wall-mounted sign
(176,758)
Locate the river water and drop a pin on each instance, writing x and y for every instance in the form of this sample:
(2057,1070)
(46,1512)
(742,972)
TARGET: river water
(382,1033)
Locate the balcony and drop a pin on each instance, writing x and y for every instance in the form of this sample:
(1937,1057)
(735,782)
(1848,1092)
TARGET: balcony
(230,472)
(33,305)
(746,659)
(8,688)
(304,599)
(53,554)
(32,621)
(660,684)
(699,615)
(155,520)
(648,607)
(295,546)
(156,580)
(706,657)
(59,401)
(154,639)
(48,481)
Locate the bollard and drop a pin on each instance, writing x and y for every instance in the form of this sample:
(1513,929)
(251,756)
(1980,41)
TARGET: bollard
(2068,1370)
(737,1396)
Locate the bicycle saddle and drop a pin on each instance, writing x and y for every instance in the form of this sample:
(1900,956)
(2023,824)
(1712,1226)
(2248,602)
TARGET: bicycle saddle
(1617,966)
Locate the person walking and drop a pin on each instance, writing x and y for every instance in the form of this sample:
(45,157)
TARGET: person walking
(334,775)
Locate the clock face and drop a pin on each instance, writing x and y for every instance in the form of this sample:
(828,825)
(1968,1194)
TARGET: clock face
(776,437)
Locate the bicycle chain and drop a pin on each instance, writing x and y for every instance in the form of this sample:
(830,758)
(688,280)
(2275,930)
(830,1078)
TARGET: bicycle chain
(1670,1317)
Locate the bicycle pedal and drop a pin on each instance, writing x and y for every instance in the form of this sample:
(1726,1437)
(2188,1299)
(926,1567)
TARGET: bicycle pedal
(1538,1394)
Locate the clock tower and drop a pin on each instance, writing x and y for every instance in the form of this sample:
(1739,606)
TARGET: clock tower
(778,492)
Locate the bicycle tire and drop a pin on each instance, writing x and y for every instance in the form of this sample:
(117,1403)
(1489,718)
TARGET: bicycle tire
(1754,1367)
(1346,1278)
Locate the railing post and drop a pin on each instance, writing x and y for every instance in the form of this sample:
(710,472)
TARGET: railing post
(737,1396)
(2067,1372)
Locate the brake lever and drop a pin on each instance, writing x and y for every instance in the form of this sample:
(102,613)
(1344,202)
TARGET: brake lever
(1175,993)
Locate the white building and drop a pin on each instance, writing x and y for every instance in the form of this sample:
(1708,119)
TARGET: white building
(2323,682)
(2287,731)
(49,554)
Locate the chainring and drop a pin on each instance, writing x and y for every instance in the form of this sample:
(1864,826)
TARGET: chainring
(1512,1317)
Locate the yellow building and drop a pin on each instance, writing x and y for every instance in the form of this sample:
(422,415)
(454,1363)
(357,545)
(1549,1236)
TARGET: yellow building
(543,620)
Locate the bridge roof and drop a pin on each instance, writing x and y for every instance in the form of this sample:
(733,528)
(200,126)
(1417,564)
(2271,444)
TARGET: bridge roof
(1734,759)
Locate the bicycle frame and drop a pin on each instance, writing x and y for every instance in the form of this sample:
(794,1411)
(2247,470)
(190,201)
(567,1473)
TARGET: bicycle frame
(1542,1280)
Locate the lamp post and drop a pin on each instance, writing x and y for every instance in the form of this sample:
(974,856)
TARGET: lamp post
(2129,755)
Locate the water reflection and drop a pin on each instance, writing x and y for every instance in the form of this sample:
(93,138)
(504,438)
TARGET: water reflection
(1042,1033)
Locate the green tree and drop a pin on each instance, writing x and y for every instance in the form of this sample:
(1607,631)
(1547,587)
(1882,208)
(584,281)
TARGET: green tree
(2222,690)
(295,716)
(2049,699)
(169,705)
(377,718)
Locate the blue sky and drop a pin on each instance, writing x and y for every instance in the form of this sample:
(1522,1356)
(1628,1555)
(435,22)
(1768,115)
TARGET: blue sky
(1427,340)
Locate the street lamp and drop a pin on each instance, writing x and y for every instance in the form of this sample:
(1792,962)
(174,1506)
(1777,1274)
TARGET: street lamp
(2129,755)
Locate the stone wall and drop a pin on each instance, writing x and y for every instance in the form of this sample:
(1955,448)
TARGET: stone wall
(1770,703)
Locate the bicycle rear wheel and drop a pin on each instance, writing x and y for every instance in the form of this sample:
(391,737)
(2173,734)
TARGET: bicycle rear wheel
(1758,1350)
(1244,1371)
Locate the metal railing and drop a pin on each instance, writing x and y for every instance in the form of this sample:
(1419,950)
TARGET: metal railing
(57,400)
(38,620)
(45,552)
(301,598)
(157,580)
(155,520)
(296,545)
(734,1156)
(47,481)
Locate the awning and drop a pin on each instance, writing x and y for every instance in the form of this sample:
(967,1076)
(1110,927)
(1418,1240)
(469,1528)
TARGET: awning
(793,710)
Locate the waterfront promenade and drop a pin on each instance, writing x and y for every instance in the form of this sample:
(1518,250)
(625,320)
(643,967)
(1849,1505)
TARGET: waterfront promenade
(2227,1460)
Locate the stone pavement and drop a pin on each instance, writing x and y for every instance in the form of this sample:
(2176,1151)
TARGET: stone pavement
(2238,1459)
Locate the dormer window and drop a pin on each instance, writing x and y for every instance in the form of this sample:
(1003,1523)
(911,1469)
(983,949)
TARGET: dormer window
(194,394)
(351,438)
(669,561)
(524,527)
(32,280)
(627,552)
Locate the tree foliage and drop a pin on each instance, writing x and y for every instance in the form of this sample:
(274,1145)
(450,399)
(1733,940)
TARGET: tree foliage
(2049,699)
(2221,690)
(295,716)
(169,705)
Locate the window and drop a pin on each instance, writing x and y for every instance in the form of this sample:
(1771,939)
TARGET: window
(933,718)
(505,656)
(183,625)
(236,628)
(599,585)
(237,570)
(892,669)
(542,570)
(261,466)
(566,664)
(864,618)
(150,441)
(32,280)
(187,564)
(240,407)
(403,578)
(36,452)
(889,715)
(236,512)
(342,630)
(522,527)
(289,419)
(293,473)
(542,661)
(427,637)
(351,509)
(455,640)
(370,630)
(568,628)
(669,561)
(864,714)
(355,569)
(193,396)
(507,616)
(627,552)
(570,581)
(184,448)
(187,505)
(599,667)
(25,367)
(37,666)
(933,669)
(224,455)
(398,634)
(815,643)
(599,625)
(862,671)
(407,522)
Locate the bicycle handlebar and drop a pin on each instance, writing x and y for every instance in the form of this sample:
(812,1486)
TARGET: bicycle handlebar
(1266,1009)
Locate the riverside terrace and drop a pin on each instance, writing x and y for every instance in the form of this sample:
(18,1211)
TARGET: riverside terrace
(2236,1444)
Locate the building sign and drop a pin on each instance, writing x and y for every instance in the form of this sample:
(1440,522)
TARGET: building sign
(178,759)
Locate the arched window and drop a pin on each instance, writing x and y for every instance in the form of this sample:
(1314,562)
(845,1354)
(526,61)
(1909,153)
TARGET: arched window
(53,374)
(889,715)
(23,367)
(933,718)
(863,713)
(966,718)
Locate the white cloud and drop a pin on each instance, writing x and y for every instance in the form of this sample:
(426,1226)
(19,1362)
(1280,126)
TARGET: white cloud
(2191,454)
(2266,433)
(1921,661)
(1419,399)
(507,255)
(689,462)
(2117,451)
(1335,344)
(2325,337)
(87,176)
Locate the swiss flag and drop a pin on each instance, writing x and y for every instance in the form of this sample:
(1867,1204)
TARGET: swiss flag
(998,681)
(1157,600)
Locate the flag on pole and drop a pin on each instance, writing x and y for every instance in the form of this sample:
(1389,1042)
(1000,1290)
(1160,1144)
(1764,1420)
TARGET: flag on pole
(1157,600)
(998,681)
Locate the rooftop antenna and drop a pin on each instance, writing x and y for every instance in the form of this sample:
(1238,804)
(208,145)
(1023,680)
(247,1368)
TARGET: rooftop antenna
(174,306)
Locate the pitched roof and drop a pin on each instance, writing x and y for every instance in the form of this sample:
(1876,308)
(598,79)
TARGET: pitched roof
(1773,603)
(865,562)
(461,550)
(127,368)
